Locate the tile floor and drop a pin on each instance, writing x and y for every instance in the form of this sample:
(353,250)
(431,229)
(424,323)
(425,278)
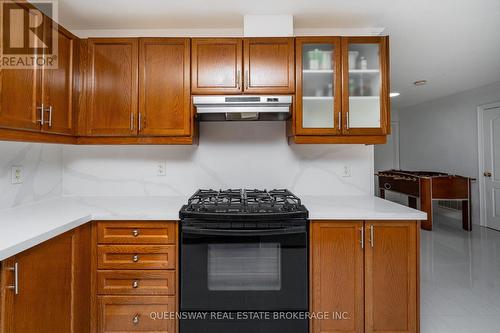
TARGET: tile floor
(460,279)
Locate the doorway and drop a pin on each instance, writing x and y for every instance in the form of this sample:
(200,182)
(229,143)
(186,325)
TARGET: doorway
(489,164)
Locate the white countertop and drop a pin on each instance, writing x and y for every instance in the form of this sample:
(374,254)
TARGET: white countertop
(358,208)
(25,226)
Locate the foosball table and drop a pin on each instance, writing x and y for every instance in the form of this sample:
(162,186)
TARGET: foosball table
(428,186)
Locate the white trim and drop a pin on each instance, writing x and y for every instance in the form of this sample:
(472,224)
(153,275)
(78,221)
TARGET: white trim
(395,138)
(480,149)
(224,32)
(374,31)
(87,33)
(372,171)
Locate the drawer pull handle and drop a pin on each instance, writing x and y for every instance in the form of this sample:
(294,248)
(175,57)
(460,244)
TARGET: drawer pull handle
(135,232)
(135,284)
(135,258)
(135,319)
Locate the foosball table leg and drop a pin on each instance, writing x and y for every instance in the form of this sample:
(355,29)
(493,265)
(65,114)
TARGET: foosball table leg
(426,202)
(466,215)
(412,202)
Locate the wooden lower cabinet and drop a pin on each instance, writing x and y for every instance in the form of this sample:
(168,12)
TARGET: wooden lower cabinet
(53,292)
(391,277)
(134,314)
(135,232)
(134,282)
(365,275)
(136,256)
(337,271)
(134,274)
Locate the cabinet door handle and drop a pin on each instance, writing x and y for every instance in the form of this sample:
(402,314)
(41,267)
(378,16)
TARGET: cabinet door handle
(246,80)
(340,121)
(135,319)
(362,240)
(140,122)
(347,119)
(135,258)
(15,287)
(131,121)
(238,79)
(135,232)
(49,110)
(372,236)
(135,284)
(42,113)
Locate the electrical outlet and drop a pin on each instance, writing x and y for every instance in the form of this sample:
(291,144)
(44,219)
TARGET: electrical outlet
(161,168)
(346,172)
(17,175)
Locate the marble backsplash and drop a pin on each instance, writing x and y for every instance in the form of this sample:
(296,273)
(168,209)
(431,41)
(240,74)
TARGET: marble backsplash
(229,155)
(42,169)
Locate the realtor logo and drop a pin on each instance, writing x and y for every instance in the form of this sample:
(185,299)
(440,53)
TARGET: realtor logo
(28,34)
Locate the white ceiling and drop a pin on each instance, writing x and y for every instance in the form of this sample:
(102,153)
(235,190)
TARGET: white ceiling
(454,44)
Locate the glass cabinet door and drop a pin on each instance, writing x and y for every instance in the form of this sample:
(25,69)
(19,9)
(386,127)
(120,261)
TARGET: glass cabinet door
(365,99)
(318,86)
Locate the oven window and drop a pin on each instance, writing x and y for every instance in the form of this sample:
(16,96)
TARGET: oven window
(249,266)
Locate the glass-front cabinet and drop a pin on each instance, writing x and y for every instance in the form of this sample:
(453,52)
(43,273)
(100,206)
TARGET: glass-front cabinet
(365,98)
(319,82)
(342,87)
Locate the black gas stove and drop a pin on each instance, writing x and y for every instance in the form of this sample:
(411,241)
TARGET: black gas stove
(244,250)
(243,204)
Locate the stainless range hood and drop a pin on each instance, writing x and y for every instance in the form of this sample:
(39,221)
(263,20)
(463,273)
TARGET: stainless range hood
(242,108)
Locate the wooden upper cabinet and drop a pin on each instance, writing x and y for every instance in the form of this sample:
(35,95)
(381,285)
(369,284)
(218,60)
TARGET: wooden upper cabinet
(269,65)
(365,99)
(391,273)
(164,95)
(216,66)
(20,96)
(342,90)
(112,86)
(337,276)
(20,99)
(318,86)
(53,286)
(57,86)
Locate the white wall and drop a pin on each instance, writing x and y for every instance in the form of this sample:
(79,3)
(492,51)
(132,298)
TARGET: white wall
(42,167)
(442,135)
(386,157)
(229,155)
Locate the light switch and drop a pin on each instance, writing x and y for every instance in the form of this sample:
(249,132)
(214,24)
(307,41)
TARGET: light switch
(17,175)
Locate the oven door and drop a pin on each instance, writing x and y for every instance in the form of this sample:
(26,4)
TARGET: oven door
(225,269)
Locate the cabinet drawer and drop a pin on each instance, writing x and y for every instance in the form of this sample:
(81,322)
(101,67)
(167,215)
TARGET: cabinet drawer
(134,232)
(136,282)
(132,314)
(136,257)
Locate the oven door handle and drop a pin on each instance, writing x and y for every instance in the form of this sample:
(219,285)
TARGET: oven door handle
(244,232)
